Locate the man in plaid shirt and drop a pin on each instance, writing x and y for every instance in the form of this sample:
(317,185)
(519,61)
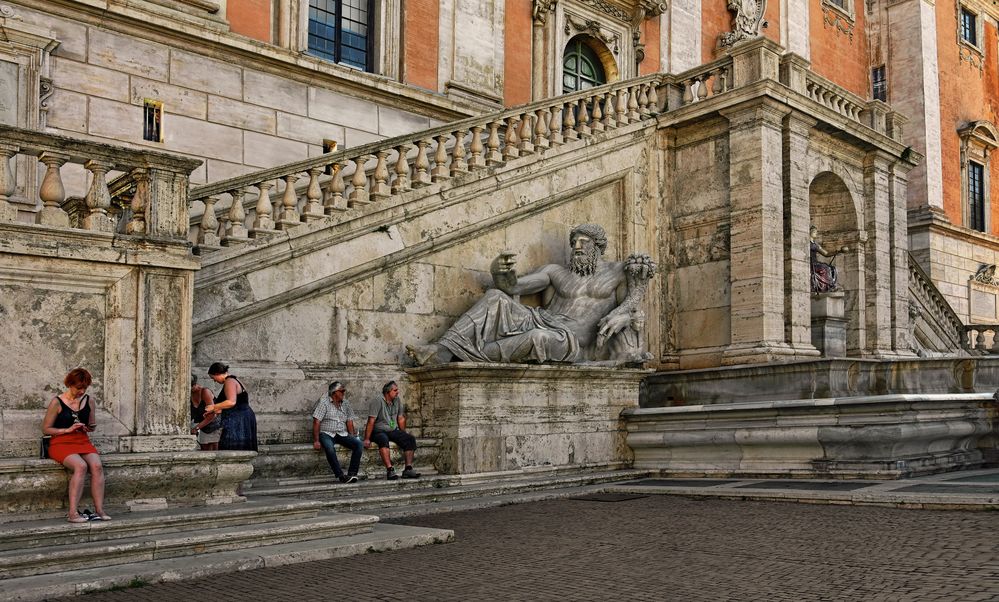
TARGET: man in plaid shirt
(333,422)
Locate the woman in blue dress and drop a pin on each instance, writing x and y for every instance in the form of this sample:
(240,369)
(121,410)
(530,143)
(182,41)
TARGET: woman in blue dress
(239,423)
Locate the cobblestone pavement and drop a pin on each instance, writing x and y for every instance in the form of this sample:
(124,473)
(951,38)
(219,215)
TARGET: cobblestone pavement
(650,548)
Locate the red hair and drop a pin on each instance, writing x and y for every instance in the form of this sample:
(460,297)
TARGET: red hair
(79,378)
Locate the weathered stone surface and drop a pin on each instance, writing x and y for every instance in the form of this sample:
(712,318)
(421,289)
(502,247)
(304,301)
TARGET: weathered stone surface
(89,79)
(338,108)
(888,436)
(176,100)
(179,477)
(207,75)
(262,150)
(128,54)
(493,417)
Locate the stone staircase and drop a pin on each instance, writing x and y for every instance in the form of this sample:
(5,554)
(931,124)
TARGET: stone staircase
(186,543)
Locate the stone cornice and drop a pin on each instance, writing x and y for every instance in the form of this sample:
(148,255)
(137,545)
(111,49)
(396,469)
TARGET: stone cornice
(196,35)
(627,11)
(472,372)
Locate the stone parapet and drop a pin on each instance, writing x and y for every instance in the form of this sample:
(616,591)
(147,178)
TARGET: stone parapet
(821,379)
(133,479)
(492,417)
(887,436)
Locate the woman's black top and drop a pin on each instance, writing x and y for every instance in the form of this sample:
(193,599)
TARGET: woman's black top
(65,418)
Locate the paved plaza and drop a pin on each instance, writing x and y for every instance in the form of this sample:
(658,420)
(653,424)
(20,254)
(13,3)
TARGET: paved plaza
(635,547)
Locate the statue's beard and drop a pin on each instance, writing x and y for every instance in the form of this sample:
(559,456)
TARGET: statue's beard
(585,264)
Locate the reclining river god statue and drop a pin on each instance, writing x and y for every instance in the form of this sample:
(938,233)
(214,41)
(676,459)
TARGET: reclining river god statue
(590,311)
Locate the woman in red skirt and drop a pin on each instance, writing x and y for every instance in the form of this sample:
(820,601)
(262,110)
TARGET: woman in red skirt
(69,418)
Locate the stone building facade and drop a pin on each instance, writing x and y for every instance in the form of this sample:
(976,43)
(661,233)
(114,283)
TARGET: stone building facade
(710,135)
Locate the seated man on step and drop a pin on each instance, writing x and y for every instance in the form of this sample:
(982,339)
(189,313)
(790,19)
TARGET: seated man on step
(387,422)
(590,311)
(332,423)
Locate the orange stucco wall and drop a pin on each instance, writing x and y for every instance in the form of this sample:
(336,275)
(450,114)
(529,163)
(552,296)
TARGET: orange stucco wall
(835,55)
(421,42)
(966,95)
(650,37)
(518,28)
(717,20)
(251,18)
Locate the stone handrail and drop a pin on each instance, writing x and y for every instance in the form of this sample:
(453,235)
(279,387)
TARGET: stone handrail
(380,170)
(158,206)
(927,295)
(832,96)
(700,83)
(981,338)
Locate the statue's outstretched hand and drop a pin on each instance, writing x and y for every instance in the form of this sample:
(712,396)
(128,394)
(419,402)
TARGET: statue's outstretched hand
(503,271)
(610,325)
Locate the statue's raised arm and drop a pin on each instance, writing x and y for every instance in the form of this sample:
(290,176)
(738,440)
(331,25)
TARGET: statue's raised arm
(592,312)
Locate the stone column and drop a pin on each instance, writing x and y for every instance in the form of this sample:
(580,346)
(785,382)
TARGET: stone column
(794,24)
(757,233)
(877,276)
(797,266)
(912,29)
(902,340)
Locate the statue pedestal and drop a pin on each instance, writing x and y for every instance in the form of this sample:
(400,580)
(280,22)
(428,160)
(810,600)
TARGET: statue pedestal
(829,323)
(494,417)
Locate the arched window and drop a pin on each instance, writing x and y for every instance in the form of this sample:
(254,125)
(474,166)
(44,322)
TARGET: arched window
(581,67)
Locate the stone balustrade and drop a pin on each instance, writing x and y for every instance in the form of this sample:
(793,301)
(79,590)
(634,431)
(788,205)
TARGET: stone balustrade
(700,83)
(981,338)
(271,200)
(833,97)
(157,208)
(933,315)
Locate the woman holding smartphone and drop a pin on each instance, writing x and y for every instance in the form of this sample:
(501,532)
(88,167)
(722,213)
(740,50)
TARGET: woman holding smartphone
(70,416)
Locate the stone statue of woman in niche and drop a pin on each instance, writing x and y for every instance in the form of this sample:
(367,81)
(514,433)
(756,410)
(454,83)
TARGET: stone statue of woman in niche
(824,277)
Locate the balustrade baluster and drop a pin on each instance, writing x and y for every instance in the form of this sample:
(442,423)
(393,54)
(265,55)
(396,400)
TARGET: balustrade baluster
(688,91)
(633,104)
(643,100)
(524,133)
(540,129)
(52,192)
(653,99)
(493,155)
(7,211)
(313,209)
(422,176)
(596,119)
(440,170)
(555,127)
(401,183)
(335,189)
(235,228)
(359,195)
(620,107)
(458,163)
(208,232)
(511,141)
(476,160)
(98,198)
(569,121)
(140,200)
(608,111)
(263,221)
(380,189)
(583,120)
(289,205)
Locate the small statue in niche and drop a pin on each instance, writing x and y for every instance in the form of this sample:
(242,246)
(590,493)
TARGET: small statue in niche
(591,311)
(824,276)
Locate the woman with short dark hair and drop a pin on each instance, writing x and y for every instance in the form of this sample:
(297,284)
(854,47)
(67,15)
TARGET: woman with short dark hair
(204,424)
(239,423)
(68,419)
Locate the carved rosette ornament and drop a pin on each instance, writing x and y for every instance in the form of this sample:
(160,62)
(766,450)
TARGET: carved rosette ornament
(746,23)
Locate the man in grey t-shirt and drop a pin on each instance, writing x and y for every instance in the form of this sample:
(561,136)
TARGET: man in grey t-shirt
(387,422)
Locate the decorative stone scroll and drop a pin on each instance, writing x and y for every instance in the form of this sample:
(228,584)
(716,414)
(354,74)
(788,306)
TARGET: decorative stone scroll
(746,23)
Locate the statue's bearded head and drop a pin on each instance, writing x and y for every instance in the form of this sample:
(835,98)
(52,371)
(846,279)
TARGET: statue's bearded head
(588,242)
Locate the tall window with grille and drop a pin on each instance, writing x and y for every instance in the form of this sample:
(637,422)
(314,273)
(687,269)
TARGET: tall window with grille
(969,26)
(340,31)
(879,84)
(976,196)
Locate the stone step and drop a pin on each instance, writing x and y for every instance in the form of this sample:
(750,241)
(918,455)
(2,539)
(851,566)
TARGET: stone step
(381,538)
(198,539)
(51,529)
(371,495)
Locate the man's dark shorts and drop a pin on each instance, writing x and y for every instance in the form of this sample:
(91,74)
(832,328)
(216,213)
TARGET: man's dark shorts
(404,440)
